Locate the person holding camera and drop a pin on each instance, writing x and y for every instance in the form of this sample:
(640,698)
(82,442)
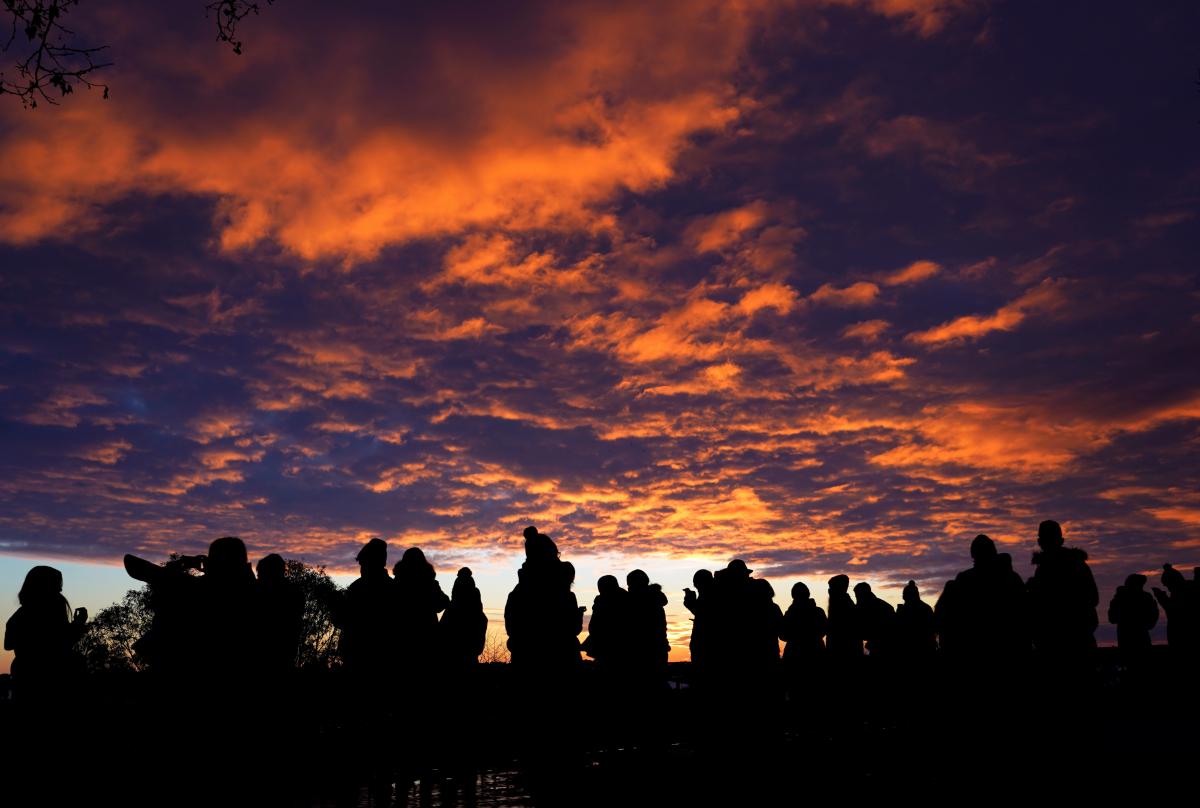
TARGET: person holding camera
(42,633)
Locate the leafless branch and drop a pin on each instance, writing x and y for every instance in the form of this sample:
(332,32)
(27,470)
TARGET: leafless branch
(495,649)
(50,62)
(229,14)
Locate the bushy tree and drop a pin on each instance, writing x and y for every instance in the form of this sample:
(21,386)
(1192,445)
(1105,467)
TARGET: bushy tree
(107,645)
(318,635)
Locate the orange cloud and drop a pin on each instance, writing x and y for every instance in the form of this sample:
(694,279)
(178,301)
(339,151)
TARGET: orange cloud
(721,230)
(866,330)
(915,272)
(61,407)
(1047,297)
(862,293)
(778,296)
(1015,439)
(541,142)
(107,454)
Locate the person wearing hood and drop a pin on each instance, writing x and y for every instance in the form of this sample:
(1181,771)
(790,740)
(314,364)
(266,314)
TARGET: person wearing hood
(419,600)
(463,628)
(915,633)
(803,630)
(1134,612)
(1062,598)
(844,637)
(877,620)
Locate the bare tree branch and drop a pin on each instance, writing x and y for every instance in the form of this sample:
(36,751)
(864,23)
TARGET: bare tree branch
(49,60)
(229,14)
(51,63)
(495,648)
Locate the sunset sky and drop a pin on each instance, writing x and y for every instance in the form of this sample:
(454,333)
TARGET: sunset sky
(829,285)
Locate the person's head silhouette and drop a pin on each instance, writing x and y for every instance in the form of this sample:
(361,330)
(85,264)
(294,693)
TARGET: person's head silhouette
(800,591)
(539,547)
(464,588)
(911,593)
(1135,582)
(607,584)
(637,580)
(1172,578)
(983,549)
(839,584)
(227,560)
(414,566)
(271,568)
(1050,536)
(373,556)
(702,579)
(42,585)
(738,568)
(862,591)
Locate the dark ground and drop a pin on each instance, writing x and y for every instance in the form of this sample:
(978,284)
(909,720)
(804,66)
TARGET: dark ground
(963,739)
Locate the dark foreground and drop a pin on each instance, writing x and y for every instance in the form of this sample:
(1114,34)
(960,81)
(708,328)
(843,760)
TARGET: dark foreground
(941,738)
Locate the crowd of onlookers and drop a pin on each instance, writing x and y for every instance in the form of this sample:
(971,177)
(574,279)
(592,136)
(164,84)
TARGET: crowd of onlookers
(230,631)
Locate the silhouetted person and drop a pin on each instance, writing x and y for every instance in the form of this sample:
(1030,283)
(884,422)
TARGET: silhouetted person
(697,602)
(367,614)
(989,610)
(167,644)
(647,629)
(419,600)
(845,635)
(1062,598)
(212,639)
(281,619)
(732,647)
(49,698)
(803,630)
(608,627)
(764,623)
(1180,603)
(542,617)
(1134,612)
(543,621)
(42,634)
(876,619)
(948,617)
(281,616)
(916,639)
(463,627)
(462,633)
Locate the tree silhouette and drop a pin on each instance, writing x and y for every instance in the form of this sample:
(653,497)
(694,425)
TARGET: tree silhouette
(229,14)
(495,648)
(51,60)
(107,645)
(318,635)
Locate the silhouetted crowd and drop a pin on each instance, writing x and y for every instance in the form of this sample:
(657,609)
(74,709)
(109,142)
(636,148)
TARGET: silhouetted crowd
(222,637)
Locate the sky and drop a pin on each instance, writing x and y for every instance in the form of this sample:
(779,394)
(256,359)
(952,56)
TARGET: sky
(828,285)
